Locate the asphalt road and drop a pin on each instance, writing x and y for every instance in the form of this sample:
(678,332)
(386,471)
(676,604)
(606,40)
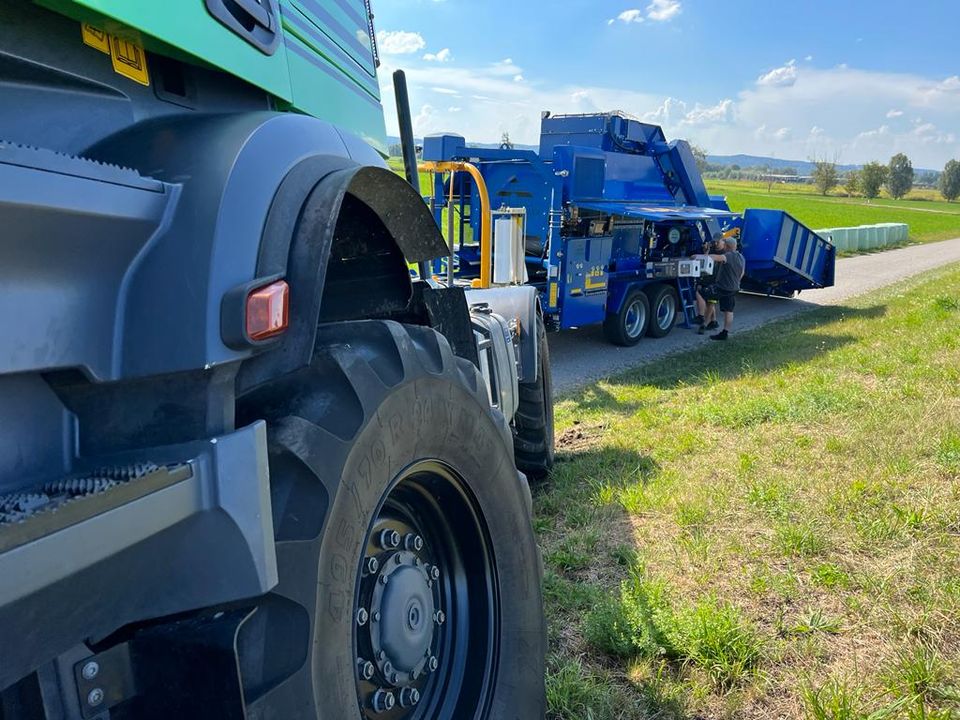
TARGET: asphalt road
(582,356)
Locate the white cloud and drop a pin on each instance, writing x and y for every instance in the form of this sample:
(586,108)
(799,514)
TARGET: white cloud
(951,84)
(628,16)
(518,78)
(445,91)
(454,109)
(668,112)
(443,56)
(657,11)
(781,76)
(809,58)
(802,112)
(400,42)
(663,10)
(894,113)
(928,133)
(719,113)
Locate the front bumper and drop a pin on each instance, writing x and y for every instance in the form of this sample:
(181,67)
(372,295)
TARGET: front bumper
(196,532)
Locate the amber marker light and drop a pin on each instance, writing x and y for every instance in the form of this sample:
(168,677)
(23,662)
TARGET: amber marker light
(268,311)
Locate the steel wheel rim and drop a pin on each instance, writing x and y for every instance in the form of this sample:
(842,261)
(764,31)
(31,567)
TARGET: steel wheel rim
(440,593)
(635,318)
(666,312)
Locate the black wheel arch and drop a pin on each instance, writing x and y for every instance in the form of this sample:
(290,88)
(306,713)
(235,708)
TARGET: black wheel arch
(254,196)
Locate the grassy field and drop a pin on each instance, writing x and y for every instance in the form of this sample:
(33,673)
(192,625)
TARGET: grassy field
(929,220)
(765,529)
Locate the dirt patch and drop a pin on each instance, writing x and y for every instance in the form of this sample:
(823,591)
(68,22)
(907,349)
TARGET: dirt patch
(580,437)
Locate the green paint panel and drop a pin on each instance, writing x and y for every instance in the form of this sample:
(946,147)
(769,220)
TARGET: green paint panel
(186,26)
(323,65)
(319,89)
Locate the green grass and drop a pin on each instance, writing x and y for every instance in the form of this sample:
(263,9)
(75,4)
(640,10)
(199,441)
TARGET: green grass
(769,528)
(929,220)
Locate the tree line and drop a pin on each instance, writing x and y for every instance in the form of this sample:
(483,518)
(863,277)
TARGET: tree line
(897,177)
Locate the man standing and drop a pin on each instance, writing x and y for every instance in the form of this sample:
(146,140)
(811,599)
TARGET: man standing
(730,268)
(707,311)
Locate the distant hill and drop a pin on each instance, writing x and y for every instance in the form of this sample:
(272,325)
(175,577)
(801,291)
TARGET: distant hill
(803,167)
(746,162)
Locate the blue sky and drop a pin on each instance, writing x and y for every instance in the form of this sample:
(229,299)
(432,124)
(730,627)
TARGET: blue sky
(788,78)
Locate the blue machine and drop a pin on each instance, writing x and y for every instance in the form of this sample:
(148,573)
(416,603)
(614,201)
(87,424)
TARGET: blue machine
(615,216)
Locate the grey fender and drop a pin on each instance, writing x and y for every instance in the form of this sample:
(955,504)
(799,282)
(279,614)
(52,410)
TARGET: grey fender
(516,303)
(229,169)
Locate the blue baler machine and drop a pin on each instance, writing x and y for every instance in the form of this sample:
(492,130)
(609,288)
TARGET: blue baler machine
(612,217)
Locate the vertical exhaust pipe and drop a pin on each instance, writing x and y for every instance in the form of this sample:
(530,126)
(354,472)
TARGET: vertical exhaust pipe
(405,121)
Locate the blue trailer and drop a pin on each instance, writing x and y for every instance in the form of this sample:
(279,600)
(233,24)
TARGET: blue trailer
(610,218)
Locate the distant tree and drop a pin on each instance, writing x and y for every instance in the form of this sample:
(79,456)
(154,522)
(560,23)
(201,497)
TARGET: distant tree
(872,177)
(395,150)
(852,183)
(735,167)
(505,142)
(825,176)
(950,181)
(700,155)
(900,177)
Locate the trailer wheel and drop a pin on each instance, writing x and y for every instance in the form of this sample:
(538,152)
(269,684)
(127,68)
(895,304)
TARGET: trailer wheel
(409,573)
(533,437)
(664,303)
(628,326)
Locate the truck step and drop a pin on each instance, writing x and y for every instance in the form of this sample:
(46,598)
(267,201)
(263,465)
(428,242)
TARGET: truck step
(56,503)
(37,158)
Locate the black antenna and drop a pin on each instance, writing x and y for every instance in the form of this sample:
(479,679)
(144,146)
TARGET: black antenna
(406,142)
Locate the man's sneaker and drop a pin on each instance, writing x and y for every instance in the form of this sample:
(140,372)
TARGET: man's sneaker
(712,326)
(722,335)
(698,320)
(700,330)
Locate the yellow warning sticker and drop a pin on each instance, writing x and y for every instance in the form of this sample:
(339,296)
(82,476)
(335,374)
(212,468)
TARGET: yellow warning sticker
(96,38)
(129,60)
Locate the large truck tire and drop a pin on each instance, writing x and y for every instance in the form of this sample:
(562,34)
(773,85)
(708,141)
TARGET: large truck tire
(629,325)
(533,434)
(409,573)
(664,305)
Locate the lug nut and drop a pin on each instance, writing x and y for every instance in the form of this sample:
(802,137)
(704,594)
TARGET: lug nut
(433,663)
(90,670)
(389,539)
(383,700)
(413,542)
(393,677)
(362,617)
(367,669)
(409,697)
(435,572)
(383,579)
(439,617)
(387,668)
(372,565)
(376,616)
(95,697)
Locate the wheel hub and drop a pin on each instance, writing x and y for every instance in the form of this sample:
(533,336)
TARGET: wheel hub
(404,600)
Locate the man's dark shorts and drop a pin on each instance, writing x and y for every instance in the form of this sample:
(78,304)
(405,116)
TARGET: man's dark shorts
(726,300)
